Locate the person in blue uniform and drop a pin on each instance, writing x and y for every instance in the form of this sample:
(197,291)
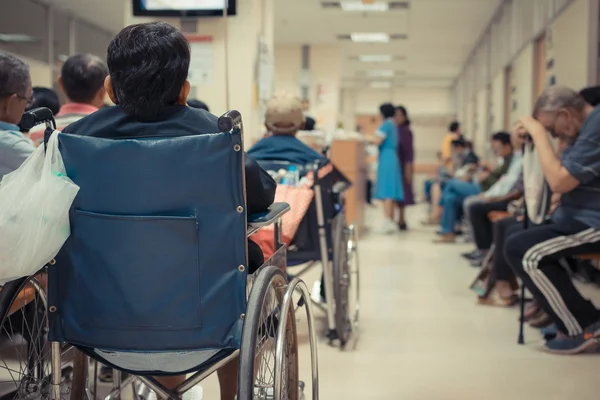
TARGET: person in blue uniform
(148,66)
(283,119)
(389,174)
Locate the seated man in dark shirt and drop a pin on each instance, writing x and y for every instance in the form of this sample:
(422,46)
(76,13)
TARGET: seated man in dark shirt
(283,120)
(535,253)
(148,66)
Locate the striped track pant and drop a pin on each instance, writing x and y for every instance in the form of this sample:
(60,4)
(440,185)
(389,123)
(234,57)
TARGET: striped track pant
(535,256)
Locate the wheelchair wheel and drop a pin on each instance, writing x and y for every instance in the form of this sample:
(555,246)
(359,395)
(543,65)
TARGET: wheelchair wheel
(345,270)
(25,353)
(257,354)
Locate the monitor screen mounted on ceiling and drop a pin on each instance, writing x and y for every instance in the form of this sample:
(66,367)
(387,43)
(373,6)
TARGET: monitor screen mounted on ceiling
(183,8)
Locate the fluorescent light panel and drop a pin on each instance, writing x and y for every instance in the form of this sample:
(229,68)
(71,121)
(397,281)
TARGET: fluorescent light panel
(370,37)
(364,7)
(375,58)
(16,38)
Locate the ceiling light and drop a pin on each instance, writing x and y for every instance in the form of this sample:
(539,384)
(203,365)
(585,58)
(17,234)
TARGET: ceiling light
(364,7)
(16,38)
(372,37)
(380,85)
(375,58)
(382,73)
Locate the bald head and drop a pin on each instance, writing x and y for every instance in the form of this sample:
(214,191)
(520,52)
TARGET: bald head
(562,111)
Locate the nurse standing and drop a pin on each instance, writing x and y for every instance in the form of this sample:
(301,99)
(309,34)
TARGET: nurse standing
(389,174)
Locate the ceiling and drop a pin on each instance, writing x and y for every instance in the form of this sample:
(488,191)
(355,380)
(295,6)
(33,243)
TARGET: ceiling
(108,14)
(440,35)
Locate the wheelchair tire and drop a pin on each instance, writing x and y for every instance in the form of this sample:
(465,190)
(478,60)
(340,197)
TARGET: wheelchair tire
(24,323)
(259,336)
(345,274)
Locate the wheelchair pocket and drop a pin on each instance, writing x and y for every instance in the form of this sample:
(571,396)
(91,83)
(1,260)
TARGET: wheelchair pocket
(136,271)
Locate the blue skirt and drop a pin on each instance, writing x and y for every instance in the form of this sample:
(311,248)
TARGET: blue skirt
(389,177)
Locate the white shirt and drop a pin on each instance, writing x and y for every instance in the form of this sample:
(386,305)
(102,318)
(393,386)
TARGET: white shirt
(508,180)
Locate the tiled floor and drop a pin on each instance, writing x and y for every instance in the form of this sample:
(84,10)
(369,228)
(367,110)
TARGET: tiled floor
(424,338)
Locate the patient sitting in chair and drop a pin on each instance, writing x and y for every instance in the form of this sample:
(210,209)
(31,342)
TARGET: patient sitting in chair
(148,65)
(283,119)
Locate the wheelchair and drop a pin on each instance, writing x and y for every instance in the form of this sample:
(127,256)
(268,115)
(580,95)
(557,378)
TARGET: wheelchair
(324,238)
(155,283)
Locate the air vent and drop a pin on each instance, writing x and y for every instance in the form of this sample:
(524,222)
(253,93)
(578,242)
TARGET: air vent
(377,58)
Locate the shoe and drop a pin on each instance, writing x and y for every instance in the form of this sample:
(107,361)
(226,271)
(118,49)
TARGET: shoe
(477,263)
(402,226)
(445,238)
(540,322)
(387,228)
(474,255)
(549,332)
(497,301)
(589,339)
(532,311)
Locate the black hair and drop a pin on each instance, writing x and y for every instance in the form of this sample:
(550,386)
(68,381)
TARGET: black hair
(502,137)
(387,110)
(83,76)
(454,126)
(148,66)
(44,97)
(403,110)
(591,95)
(309,124)
(459,143)
(198,104)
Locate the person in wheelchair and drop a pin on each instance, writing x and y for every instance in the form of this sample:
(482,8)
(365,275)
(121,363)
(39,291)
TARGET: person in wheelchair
(283,119)
(148,68)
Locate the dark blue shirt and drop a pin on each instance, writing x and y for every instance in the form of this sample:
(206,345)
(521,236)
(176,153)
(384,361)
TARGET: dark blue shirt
(284,148)
(582,160)
(173,121)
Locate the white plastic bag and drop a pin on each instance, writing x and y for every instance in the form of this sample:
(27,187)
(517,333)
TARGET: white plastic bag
(34,212)
(536,195)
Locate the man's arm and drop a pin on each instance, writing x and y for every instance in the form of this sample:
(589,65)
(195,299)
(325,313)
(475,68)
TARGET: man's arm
(260,187)
(15,154)
(559,177)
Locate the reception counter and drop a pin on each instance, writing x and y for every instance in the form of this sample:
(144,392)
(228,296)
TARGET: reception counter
(349,156)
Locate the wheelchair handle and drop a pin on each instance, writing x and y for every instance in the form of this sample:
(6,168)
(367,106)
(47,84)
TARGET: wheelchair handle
(229,120)
(35,117)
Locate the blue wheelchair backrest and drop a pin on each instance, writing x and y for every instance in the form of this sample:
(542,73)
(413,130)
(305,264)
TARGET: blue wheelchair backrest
(158,233)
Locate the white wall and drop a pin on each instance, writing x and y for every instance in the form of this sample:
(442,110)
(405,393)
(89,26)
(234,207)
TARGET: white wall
(522,76)
(497,102)
(418,101)
(288,64)
(569,45)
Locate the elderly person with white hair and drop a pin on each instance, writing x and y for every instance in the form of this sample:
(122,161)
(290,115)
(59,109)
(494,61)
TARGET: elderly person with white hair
(15,95)
(574,229)
(283,119)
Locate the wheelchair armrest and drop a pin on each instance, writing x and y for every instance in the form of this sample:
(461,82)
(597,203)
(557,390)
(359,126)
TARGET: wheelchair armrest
(259,220)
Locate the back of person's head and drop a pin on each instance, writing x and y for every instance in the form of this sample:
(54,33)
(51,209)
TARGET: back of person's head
(555,98)
(502,138)
(284,115)
(82,79)
(591,95)
(198,104)
(459,144)
(148,65)
(387,110)
(44,97)
(402,116)
(15,88)
(454,127)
